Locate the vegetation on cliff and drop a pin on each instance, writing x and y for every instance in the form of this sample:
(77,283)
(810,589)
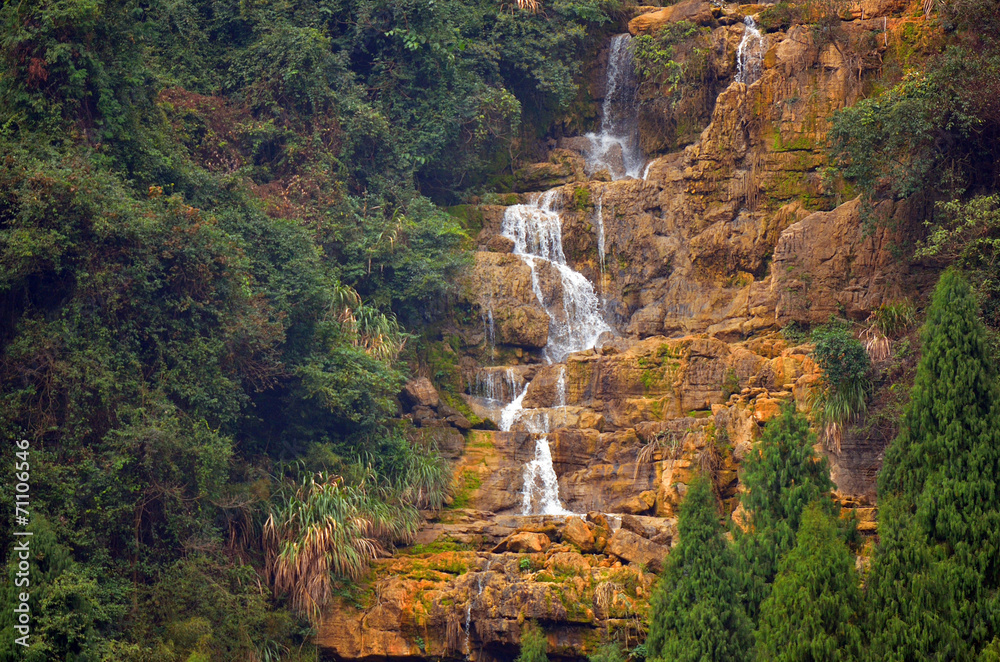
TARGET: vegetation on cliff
(935,578)
(694,614)
(215,236)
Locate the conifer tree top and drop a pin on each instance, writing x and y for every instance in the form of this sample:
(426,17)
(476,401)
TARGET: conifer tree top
(954,392)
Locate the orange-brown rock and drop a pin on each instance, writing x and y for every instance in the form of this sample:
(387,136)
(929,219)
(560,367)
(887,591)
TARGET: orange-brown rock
(420,392)
(636,549)
(563,166)
(526,541)
(418,606)
(695,11)
(578,533)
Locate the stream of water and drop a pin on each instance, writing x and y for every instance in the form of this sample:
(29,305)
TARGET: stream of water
(616,147)
(575,321)
(750,53)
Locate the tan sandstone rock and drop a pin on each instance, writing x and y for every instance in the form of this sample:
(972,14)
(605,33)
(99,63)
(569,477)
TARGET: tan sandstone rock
(636,549)
(695,11)
(578,533)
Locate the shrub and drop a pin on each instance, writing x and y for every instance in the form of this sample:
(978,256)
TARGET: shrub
(845,364)
(534,644)
(693,614)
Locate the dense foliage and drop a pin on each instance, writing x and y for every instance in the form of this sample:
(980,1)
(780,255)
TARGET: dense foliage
(935,131)
(215,232)
(782,476)
(694,616)
(935,582)
(813,612)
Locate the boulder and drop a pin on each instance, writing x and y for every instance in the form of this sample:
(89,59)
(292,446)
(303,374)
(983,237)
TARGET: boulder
(598,519)
(563,167)
(578,533)
(524,542)
(500,244)
(638,504)
(422,413)
(420,392)
(631,523)
(636,549)
(459,421)
(695,11)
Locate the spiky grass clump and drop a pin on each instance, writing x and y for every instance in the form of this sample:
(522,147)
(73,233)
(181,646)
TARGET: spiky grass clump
(326,528)
(377,334)
(427,479)
(846,363)
(837,407)
(886,322)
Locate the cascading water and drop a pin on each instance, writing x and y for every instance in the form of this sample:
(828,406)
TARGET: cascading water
(497,385)
(599,213)
(750,53)
(468,606)
(491,333)
(512,412)
(541,485)
(540,495)
(536,230)
(616,147)
(561,393)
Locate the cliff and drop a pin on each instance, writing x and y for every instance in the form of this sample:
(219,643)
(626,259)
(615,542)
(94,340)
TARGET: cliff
(627,331)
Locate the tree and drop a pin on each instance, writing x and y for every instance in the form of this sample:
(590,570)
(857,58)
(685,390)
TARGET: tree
(814,605)
(694,614)
(781,478)
(935,576)
(534,645)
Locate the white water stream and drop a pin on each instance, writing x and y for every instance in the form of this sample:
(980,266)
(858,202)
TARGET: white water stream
(599,213)
(616,147)
(540,495)
(575,321)
(750,53)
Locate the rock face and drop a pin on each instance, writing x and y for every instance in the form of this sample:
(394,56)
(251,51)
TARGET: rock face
(458,605)
(636,549)
(732,233)
(695,11)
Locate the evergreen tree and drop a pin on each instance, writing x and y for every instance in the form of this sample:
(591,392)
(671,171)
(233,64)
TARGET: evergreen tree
(935,576)
(695,614)
(812,612)
(781,478)
(534,644)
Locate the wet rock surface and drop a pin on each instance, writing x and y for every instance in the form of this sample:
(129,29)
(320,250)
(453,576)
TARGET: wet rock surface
(731,234)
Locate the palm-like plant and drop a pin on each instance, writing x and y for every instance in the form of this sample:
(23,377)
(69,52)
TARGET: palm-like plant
(886,322)
(325,528)
(378,334)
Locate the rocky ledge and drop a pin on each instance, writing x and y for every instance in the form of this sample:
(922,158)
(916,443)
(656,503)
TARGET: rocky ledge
(585,578)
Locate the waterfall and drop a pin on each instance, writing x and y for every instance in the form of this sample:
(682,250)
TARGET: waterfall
(561,393)
(541,485)
(750,53)
(600,230)
(498,386)
(468,606)
(512,411)
(575,322)
(616,147)
(491,333)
